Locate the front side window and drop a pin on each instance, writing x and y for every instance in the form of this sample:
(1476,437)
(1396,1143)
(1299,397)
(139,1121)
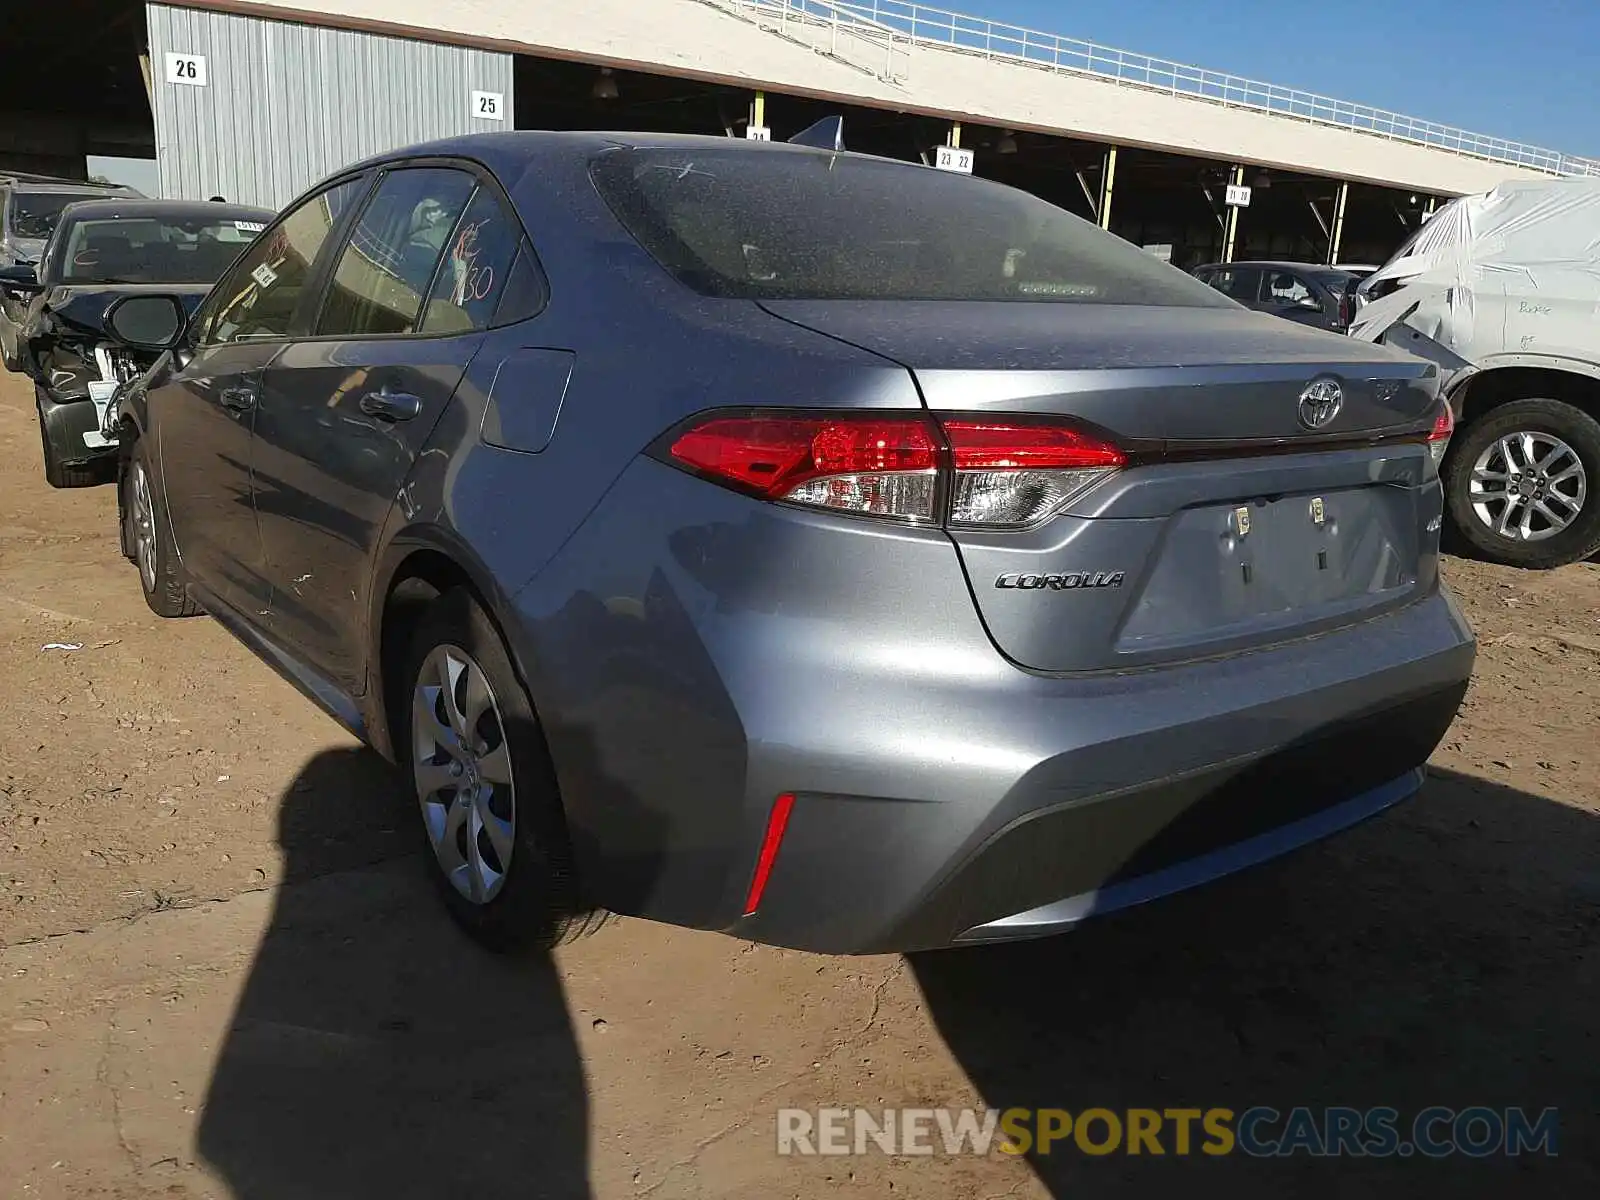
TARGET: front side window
(261,295)
(160,249)
(1241,283)
(779,223)
(385,270)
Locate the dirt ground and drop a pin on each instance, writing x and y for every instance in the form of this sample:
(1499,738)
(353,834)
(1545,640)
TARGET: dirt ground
(222,973)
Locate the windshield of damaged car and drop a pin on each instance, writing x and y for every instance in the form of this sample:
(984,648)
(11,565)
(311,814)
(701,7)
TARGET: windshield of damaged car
(151,250)
(780,224)
(34,214)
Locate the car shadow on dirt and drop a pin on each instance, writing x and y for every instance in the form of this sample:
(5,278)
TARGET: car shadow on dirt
(1444,954)
(376,1051)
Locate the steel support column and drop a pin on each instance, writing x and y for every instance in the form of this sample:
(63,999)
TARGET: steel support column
(1231,229)
(955,135)
(1108,183)
(758,110)
(1342,199)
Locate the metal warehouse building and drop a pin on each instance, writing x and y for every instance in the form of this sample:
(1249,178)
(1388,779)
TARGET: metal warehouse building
(256,100)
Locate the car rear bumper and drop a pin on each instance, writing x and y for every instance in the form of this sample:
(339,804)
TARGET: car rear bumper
(1104,824)
(689,676)
(1137,885)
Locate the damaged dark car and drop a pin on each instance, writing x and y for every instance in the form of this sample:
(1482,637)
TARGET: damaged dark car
(101,251)
(30,206)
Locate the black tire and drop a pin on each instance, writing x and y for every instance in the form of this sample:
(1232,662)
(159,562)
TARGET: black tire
(165,593)
(59,475)
(536,906)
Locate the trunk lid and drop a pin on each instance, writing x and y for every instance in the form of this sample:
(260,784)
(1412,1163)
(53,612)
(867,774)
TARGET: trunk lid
(1162,374)
(1235,525)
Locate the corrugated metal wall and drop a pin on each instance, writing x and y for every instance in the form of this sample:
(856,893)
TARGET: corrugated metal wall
(285,105)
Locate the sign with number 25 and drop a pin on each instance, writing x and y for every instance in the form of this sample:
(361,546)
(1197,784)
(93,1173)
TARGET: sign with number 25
(489,106)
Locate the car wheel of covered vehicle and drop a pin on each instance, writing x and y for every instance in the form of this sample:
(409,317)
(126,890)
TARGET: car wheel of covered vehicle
(148,532)
(485,785)
(1523,484)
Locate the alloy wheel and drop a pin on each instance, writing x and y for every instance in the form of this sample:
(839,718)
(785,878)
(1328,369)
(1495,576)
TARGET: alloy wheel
(462,767)
(144,527)
(1528,486)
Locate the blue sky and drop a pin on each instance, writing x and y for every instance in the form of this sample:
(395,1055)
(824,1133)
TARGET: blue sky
(1519,69)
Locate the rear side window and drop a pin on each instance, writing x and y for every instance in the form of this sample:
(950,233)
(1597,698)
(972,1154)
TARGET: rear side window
(1283,287)
(769,222)
(261,293)
(384,272)
(480,262)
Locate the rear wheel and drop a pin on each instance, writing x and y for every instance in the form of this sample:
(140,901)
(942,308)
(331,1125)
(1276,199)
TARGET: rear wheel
(1522,484)
(148,532)
(485,785)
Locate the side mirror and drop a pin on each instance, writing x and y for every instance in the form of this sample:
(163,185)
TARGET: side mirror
(19,279)
(1310,302)
(148,322)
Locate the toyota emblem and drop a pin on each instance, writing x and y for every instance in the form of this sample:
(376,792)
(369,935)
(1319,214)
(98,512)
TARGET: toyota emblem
(1320,403)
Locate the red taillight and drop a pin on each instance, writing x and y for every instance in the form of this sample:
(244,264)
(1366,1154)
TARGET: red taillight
(1010,475)
(883,466)
(1439,436)
(1347,308)
(1007,474)
(986,446)
(777,822)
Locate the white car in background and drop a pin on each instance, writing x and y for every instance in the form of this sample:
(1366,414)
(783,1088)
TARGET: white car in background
(1502,290)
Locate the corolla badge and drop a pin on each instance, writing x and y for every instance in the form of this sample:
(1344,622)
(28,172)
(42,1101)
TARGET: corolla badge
(1320,403)
(1065,582)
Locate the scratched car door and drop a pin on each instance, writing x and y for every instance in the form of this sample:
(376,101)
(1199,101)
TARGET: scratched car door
(346,412)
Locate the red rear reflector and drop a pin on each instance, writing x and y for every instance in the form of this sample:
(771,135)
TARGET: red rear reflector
(777,822)
(776,455)
(997,446)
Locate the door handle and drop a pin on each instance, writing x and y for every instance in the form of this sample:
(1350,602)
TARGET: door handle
(238,399)
(391,406)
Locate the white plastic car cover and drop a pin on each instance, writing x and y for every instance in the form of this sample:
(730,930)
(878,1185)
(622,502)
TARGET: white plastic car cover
(1512,275)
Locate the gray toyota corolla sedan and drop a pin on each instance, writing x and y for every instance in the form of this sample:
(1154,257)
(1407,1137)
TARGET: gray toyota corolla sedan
(827,550)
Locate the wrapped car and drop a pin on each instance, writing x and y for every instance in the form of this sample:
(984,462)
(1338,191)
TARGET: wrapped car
(1502,291)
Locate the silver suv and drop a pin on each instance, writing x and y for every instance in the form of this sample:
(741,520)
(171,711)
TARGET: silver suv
(29,210)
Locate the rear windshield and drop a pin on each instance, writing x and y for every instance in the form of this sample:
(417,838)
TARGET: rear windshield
(34,214)
(152,249)
(770,223)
